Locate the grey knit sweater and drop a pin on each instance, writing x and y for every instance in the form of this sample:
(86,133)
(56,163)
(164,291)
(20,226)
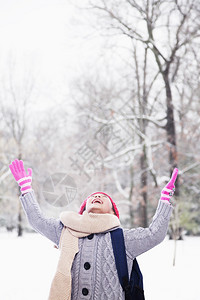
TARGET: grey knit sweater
(94,274)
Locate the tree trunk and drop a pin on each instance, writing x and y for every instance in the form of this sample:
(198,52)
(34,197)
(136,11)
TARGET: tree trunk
(175,231)
(19,225)
(170,126)
(143,189)
(170,129)
(130,197)
(19,220)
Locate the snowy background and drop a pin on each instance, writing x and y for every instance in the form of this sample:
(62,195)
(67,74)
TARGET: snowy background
(28,265)
(75,68)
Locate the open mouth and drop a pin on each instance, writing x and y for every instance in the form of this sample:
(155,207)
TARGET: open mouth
(97,201)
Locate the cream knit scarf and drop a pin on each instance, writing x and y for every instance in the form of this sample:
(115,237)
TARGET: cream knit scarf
(76,226)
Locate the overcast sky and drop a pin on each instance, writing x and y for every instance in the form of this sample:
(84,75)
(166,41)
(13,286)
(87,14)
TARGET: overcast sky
(34,28)
(45,35)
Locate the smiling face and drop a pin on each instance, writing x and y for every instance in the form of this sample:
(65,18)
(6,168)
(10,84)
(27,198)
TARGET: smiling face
(100,204)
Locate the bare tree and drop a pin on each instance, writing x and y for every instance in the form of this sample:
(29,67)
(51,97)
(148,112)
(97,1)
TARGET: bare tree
(119,109)
(146,22)
(168,32)
(16,93)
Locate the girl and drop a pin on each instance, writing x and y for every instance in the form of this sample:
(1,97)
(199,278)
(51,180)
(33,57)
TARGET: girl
(86,267)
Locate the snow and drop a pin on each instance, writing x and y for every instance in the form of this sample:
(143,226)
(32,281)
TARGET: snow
(164,281)
(28,264)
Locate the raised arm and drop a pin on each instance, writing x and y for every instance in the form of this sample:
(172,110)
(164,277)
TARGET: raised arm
(49,227)
(140,240)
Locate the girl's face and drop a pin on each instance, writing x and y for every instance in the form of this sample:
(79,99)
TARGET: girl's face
(100,204)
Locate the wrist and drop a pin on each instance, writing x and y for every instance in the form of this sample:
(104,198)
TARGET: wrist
(25,184)
(164,201)
(24,192)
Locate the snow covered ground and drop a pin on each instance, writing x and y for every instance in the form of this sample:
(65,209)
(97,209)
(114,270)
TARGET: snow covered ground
(28,264)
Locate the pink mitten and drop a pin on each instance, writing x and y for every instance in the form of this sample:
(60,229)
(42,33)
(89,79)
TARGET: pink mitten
(169,189)
(24,180)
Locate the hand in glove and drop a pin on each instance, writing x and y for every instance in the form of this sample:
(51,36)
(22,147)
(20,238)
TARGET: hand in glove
(169,189)
(24,180)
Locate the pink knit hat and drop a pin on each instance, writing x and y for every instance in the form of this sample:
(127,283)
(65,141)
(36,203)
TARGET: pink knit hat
(82,208)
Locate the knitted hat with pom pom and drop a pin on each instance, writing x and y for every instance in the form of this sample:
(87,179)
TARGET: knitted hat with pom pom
(82,208)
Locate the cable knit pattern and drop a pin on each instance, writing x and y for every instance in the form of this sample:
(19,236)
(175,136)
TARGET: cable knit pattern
(100,280)
(98,266)
(109,272)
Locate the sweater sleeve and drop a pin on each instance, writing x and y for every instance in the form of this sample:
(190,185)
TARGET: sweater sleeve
(140,240)
(49,227)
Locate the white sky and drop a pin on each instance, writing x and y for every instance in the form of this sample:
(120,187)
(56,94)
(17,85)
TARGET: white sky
(54,40)
(46,36)
(33,27)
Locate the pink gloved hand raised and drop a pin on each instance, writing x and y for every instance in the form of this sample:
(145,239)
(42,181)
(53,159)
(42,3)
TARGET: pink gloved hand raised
(24,180)
(169,189)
